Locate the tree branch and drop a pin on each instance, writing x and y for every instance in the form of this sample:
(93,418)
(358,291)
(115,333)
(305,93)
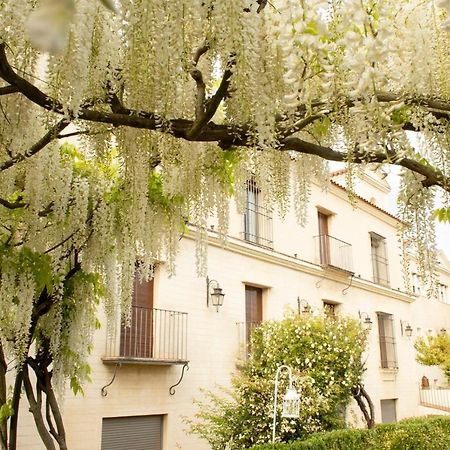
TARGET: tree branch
(3,398)
(60,436)
(49,420)
(82,132)
(432,176)
(12,205)
(197,76)
(13,423)
(302,123)
(5,90)
(51,135)
(212,104)
(25,87)
(202,130)
(360,394)
(37,414)
(261,5)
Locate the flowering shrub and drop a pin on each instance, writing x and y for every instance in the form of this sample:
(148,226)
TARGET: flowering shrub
(325,355)
(434,351)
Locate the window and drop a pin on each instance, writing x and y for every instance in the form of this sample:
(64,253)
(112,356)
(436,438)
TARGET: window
(379,259)
(416,284)
(442,292)
(132,433)
(387,341)
(257,218)
(388,410)
(330,308)
(253,311)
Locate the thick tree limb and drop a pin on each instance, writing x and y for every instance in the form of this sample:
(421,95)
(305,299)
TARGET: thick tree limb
(3,393)
(60,436)
(13,423)
(197,76)
(37,413)
(202,130)
(360,395)
(212,104)
(432,176)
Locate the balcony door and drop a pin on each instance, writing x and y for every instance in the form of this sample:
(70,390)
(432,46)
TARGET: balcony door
(324,246)
(136,340)
(253,311)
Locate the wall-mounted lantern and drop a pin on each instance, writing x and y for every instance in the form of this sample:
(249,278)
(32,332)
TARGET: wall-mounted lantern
(406,328)
(214,294)
(365,320)
(303,306)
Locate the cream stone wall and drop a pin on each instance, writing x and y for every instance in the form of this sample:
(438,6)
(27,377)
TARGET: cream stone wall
(288,271)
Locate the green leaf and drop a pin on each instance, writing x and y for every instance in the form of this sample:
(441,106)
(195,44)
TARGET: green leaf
(311,28)
(401,115)
(6,411)
(322,126)
(441,214)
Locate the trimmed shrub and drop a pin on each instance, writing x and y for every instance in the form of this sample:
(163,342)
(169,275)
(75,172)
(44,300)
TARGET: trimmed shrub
(411,434)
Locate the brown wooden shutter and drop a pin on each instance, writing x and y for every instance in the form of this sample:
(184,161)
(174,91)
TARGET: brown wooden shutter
(136,340)
(253,311)
(323,238)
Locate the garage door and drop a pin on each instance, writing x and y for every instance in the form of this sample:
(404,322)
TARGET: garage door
(132,433)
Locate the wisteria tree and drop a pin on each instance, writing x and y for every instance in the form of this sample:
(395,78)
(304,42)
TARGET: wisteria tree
(174,106)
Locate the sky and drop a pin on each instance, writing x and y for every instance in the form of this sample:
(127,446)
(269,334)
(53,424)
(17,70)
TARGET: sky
(442,229)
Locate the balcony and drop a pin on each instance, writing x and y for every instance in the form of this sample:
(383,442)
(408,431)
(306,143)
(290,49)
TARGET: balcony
(245,330)
(435,397)
(154,336)
(333,253)
(258,226)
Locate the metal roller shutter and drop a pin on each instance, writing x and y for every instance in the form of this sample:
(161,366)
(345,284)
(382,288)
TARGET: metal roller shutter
(132,433)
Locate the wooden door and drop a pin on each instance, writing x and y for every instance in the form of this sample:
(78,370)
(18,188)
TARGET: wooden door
(324,247)
(136,340)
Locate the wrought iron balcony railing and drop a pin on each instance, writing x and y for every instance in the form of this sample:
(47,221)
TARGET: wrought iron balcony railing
(435,397)
(153,334)
(332,252)
(258,226)
(245,330)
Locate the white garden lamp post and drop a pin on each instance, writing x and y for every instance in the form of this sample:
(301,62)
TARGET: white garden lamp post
(291,400)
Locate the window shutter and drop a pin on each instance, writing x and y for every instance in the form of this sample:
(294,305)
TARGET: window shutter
(132,433)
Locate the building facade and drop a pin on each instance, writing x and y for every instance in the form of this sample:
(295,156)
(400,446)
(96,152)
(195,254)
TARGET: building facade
(345,260)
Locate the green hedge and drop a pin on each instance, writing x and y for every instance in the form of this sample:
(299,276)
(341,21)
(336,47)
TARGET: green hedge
(411,434)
